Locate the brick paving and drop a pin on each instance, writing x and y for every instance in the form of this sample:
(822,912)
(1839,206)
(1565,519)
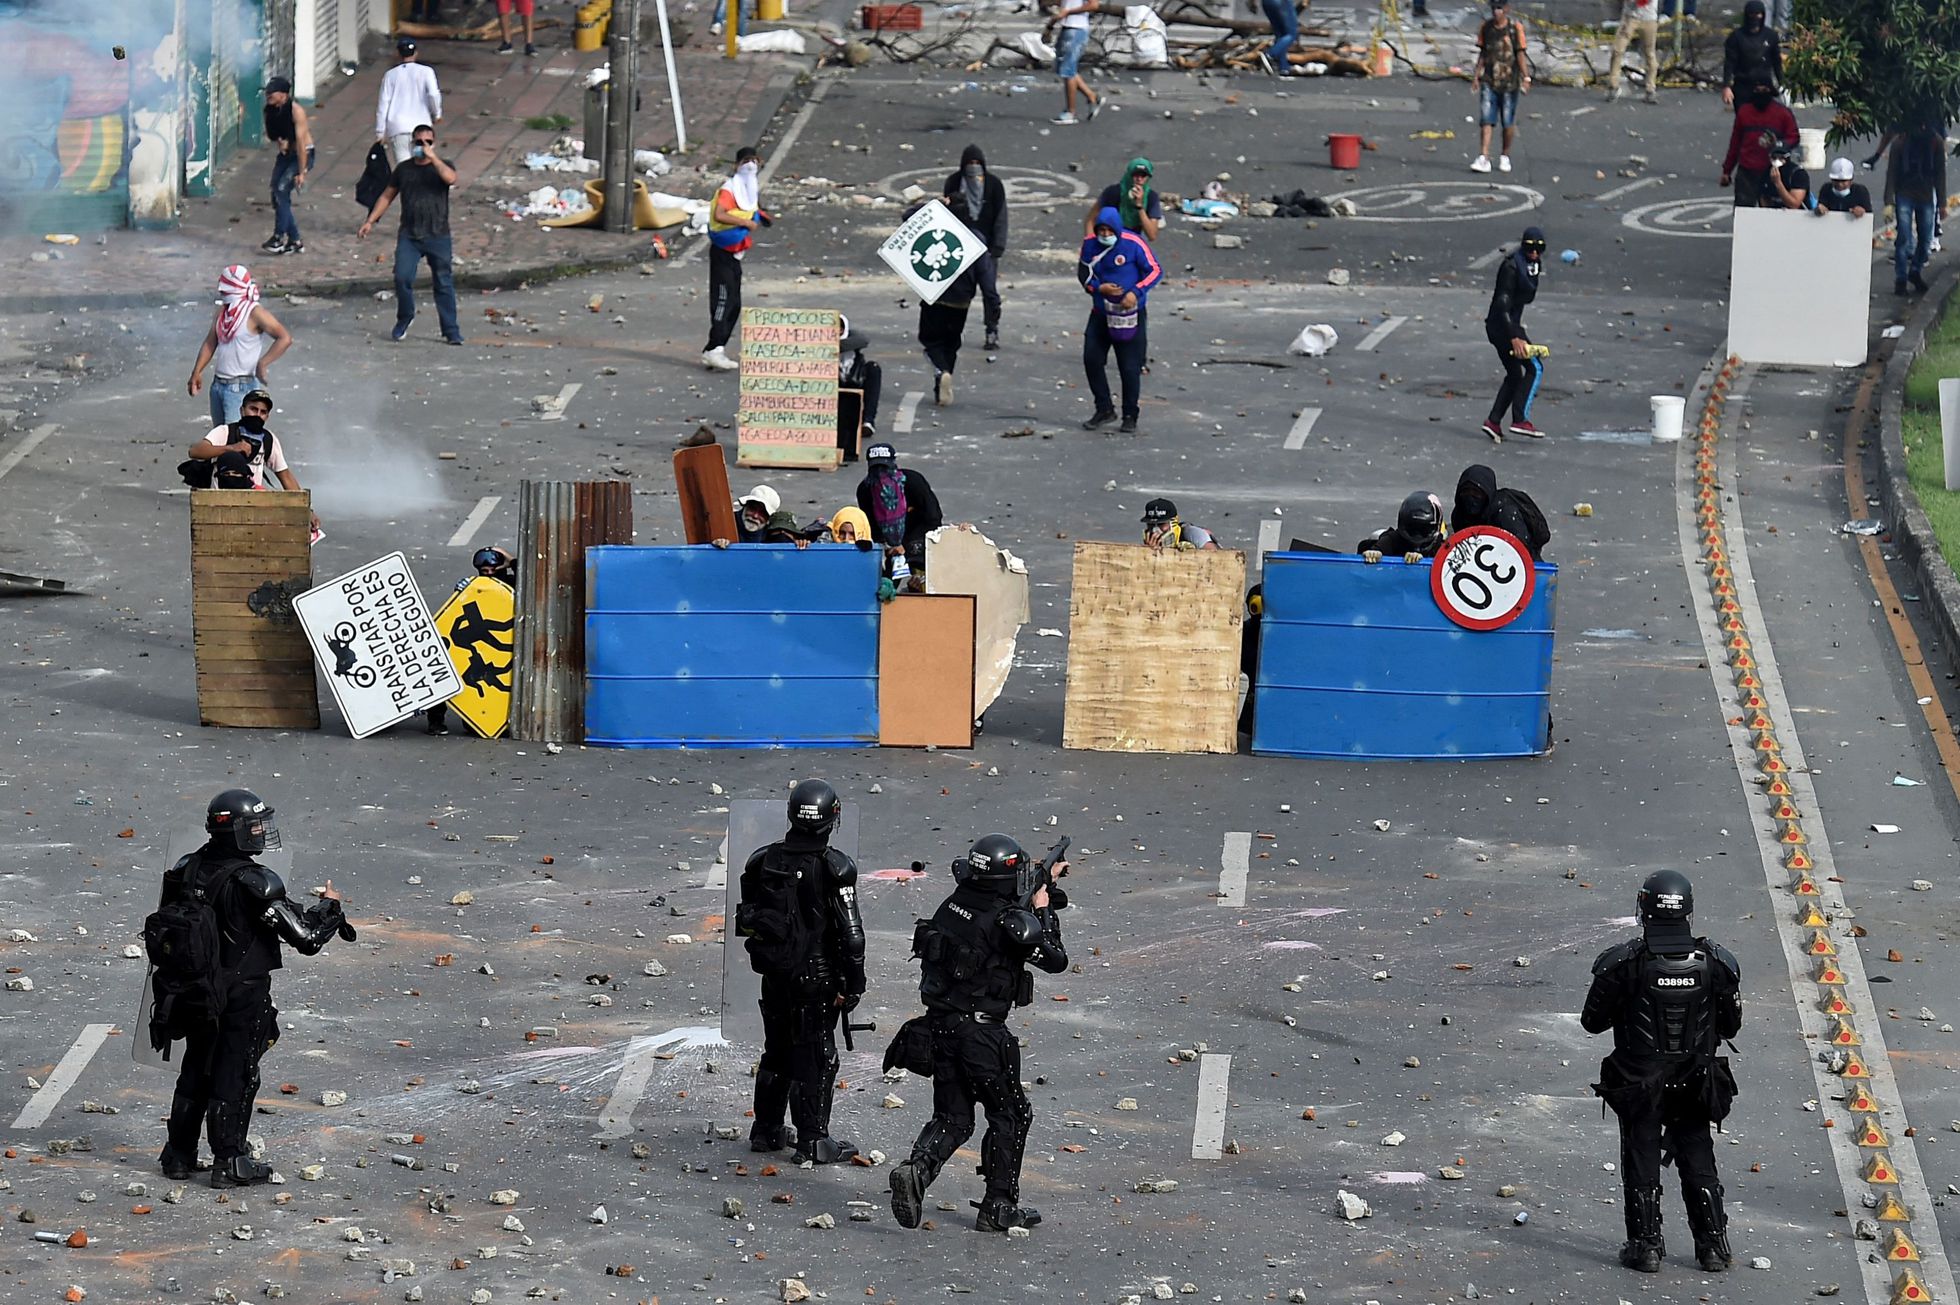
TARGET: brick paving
(486,99)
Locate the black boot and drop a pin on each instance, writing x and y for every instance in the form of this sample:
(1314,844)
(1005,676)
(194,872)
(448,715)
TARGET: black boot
(908,1184)
(175,1167)
(1710,1224)
(239,1171)
(822,1150)
(1644,1249)
(999,1213)
(771,1100)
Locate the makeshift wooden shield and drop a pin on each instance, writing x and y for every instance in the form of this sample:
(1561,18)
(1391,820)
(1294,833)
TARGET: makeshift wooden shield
(707,508)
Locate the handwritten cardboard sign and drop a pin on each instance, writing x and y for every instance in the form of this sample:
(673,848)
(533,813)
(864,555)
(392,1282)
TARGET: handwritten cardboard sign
(787,410)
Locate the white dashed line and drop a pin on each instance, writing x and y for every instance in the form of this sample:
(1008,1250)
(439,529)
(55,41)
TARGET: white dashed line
(908,408)
(1302,427)
(1233,865)
(27,445)
(1482,261)
(1208,1134)
(1268,542)
(1627,189)
(39,1106)
(1581,110)
(1376,336)
(474,521)
(556,412)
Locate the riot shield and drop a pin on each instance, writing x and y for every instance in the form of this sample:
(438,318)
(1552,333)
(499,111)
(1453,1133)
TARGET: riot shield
(279,860)
(755,823)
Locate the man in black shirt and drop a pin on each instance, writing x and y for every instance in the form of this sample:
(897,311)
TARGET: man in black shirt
(1517,286)
(286,126)
(423,181)
(1789,183)
(1843,195)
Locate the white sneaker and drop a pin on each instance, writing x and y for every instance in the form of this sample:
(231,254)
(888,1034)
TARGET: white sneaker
(1504,163)
(1064,120)
(717,360)
(1482,164)
(943,388)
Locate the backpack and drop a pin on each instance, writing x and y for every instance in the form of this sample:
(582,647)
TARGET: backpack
(782,921)
(376,177)
(185,943)
(888,507)
(1537,532)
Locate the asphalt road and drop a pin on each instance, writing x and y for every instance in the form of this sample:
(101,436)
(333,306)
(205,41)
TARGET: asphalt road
(1439,962)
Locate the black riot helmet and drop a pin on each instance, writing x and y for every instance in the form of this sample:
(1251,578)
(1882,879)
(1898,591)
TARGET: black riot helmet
(242,816)
(999,864)
(813,807)
(1420,518)
(1666,898)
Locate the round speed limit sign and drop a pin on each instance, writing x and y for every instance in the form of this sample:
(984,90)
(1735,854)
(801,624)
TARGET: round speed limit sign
(1482,578)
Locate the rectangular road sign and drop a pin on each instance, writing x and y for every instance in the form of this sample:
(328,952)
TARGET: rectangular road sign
(378,646)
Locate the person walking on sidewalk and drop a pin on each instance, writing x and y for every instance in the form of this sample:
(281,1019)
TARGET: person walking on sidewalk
(238,343)
(1502,75)
(1637,18)
(1752,54)
(1074,19)
(409,95)
(978,199)
(1117,269)
(423,184)
(733,219)
(524,8)
(1760,125)
(287,128)
(1517,286)
(1918,178)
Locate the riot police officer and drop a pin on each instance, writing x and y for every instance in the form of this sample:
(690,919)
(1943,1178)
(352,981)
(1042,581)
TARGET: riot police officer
(1670,998)
(214,941)
(799,914)
(972,954)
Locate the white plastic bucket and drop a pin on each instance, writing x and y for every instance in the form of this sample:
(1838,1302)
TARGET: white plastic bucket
(1811,141)
(1669,410)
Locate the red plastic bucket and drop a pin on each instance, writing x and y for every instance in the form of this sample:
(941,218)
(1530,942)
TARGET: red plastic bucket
(1344,152)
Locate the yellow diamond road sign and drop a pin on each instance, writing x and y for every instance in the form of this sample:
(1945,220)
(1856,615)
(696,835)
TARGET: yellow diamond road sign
(477,625)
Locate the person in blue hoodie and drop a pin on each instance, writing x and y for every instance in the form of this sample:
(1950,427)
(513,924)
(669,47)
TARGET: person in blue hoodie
(1117,270)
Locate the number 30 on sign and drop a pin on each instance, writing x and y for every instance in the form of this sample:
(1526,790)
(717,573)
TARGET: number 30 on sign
(1482,578)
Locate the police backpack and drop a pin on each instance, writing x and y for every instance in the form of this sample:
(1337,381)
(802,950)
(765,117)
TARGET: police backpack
(781,921)
(185,944)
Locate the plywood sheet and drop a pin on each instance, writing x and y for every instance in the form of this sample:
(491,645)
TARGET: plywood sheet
(1153,656)
(707,507)
(961,560)
(925,671)
(1800,288)
(249,559)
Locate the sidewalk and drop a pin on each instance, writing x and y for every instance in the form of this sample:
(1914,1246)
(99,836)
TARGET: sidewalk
(486,99)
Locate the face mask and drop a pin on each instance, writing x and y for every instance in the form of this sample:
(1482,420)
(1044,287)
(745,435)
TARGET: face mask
(1762,99)
(973,170)
(748,169)
(1105,241)
(253,423)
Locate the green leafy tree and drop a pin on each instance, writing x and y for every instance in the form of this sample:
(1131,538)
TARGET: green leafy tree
(1881,63)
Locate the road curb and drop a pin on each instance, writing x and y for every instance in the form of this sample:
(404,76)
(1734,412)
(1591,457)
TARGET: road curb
(1912,529)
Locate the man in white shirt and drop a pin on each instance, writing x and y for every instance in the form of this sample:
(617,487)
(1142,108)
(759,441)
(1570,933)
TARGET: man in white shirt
(242,453)
(1637,18)
(409,97)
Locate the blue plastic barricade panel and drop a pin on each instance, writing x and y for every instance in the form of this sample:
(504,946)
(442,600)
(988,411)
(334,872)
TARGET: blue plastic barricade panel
(1357,661)
(757,646)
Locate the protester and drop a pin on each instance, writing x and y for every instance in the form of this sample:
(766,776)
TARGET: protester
(524,8)
(752,513)
(1479,502)
(850,526)
(423,183)
(1502,75)
(1789,182)
(1841,194)
(1517,286)
(1073,17)
(1752,54)
(902,509)
(978,199)
(1255,619)
(856,372)
(286,126)
(733,220)
(1134,198)
(409,96)
(1117,270)
(1416,534)
(1918,183)
(942,328)
(1637,18)
(1163,528)
(243,451)
(236,343)
(1891,147)
(1758,122)
(1285,22)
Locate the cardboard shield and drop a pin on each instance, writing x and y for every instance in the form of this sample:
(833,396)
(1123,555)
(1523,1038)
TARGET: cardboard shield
(755,823)
(477,625)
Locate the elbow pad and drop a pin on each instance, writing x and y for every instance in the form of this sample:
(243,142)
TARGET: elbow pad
(1022,927)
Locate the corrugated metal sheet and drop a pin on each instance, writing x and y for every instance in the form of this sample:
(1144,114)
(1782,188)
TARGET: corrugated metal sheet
(326,42)
(765,646)
(1357,661)
(557,521)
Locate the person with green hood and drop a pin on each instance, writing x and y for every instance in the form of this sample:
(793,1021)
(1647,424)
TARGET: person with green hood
(1134,198)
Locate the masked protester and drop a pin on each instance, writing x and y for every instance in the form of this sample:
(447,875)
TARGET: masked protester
(495,564)
(1752,54)
(1524,369)
(1760,126)
(244,341)
(1117,269)
(903,511)
(1670,998)
(1416,534)
(978,199)
(799,917)
(1163,528)
(1479,502)
(733,219)
(942,327)
(972,953)
(1842,193)
(214,941)
(239,455)
(855,372)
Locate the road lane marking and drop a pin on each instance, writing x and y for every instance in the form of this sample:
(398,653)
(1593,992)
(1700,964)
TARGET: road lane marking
(556,412)
(1627,189)
(1581,110)
(908,408)
(474,521)
(39,1106)
(1495,256)
(1268,542)
(1233,865)
(1208,1134)
(1376,336)
(1302,427)
(27,444)
(636,1073)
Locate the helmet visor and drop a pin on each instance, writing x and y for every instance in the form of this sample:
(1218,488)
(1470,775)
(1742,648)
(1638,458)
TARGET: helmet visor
(258,833)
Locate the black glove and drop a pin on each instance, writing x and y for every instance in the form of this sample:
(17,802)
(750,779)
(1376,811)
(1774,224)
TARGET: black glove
(764,218)
(851,1000)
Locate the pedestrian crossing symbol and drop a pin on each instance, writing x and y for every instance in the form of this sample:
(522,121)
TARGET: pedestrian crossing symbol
(477,625)
(931,249)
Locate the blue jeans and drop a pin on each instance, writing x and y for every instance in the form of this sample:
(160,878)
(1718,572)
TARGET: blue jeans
(226,395)
(1070,44)
(1286,29)
(1909,250)
(409,252)
(1497,108)
(285,169)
